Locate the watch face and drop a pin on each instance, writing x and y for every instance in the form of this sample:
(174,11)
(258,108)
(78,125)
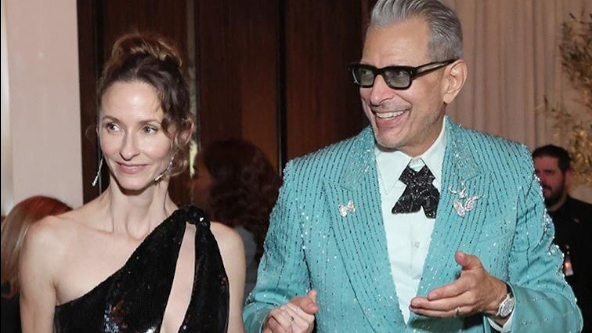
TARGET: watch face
(506,307)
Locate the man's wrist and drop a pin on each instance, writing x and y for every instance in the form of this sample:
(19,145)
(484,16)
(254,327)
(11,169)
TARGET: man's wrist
(505,306)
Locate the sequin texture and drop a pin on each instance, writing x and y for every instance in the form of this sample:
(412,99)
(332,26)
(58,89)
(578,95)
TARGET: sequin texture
(311,245)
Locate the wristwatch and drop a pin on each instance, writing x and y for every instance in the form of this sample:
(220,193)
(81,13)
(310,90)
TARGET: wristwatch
(507,305)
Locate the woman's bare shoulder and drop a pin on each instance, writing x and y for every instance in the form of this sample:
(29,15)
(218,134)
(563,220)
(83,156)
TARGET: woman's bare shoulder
(48,237)
(54,233)
(50,229)
(227,237)
(45,248)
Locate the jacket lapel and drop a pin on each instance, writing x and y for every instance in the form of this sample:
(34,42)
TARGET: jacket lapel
(461,212)
(354,209)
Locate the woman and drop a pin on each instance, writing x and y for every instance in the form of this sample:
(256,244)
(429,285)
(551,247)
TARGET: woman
(237,186)
(14,227)
(130,260)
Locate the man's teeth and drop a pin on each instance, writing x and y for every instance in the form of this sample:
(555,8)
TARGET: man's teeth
(385,115)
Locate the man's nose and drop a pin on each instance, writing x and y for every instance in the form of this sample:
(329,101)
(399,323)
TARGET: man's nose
(380,91)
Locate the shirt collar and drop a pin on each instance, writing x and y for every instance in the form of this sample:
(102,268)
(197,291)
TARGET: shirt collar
(391,164)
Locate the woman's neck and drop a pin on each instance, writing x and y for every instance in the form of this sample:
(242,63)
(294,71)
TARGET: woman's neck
(137,214)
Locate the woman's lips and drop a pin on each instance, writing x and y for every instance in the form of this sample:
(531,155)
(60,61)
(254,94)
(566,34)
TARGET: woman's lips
(131,168)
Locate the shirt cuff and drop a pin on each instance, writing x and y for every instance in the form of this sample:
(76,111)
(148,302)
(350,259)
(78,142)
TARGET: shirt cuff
(502,329)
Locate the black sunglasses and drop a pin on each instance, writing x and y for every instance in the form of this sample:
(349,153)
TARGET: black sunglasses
(396,77)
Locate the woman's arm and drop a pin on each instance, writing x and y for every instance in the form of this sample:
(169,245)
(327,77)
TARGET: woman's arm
(38,264)
(233,256)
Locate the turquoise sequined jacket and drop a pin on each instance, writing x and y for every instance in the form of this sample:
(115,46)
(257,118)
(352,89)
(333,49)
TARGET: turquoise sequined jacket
(327,233)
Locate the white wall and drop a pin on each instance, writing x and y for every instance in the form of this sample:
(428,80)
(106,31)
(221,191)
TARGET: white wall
(42,50)
(7,195)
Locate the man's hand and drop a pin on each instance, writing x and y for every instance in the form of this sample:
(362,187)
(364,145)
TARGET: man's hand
(475,291)
(296,316)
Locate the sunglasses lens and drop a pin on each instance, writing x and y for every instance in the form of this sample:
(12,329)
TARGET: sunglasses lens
(363,76)
(397,78)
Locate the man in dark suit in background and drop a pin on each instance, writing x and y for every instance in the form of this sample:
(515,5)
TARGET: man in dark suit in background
(573,223)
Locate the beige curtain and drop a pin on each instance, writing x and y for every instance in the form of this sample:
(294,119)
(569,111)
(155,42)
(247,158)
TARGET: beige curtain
(512,51)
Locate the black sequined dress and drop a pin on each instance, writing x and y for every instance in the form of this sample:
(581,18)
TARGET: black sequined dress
(134,298)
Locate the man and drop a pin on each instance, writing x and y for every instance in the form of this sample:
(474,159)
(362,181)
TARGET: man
(416,224)
(573,223)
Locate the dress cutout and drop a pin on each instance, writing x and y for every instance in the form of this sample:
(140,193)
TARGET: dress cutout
(134,298)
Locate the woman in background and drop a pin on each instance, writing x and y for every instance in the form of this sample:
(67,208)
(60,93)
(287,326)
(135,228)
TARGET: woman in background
(131,260)
(236,185)
(14,228)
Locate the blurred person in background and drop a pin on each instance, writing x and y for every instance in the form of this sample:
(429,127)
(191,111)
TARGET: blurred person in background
(572,219)
(236,185)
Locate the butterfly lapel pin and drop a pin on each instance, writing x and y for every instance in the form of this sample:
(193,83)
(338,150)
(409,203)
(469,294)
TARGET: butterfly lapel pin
(349,208)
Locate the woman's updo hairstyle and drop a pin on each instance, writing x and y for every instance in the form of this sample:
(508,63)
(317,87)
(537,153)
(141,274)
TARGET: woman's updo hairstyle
(151,59)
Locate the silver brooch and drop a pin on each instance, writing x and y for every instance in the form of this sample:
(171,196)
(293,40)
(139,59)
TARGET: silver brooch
(349,208)
(464,203)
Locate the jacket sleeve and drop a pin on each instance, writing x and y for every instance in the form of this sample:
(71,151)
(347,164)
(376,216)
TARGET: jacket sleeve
(283,272)
(544,302)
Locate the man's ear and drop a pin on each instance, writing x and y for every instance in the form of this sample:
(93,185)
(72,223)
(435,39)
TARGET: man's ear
(454,80)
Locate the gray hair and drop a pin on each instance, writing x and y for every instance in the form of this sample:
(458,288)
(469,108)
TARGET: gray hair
(445,30)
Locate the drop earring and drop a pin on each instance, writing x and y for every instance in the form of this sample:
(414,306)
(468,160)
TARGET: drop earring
(168,168)
(94,182)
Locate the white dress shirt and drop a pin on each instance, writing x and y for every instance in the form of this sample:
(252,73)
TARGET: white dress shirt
(408,235)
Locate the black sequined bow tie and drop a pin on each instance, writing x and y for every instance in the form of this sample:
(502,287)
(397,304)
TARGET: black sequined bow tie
(420,192)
